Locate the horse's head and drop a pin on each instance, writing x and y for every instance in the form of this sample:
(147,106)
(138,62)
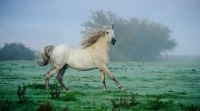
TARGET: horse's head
(110,37)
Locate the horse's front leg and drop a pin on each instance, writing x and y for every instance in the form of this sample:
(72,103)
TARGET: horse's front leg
(103,79)
(104,69)
(60,77)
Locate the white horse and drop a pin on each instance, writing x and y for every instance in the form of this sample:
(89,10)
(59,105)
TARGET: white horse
(93,54)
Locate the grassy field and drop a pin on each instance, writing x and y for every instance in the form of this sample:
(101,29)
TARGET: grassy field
(153,86)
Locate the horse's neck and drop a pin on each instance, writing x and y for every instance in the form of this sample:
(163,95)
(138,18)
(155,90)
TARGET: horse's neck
(102,45)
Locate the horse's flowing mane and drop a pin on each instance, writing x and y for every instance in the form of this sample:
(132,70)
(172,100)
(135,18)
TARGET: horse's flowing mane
(91,36)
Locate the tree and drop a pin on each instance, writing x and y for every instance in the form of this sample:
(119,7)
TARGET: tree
(16,51)
(138,40)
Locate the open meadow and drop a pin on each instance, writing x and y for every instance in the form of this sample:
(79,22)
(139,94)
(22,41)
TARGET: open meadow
(170,86)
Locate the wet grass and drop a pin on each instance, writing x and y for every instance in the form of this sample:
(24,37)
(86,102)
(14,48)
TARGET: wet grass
(153,86)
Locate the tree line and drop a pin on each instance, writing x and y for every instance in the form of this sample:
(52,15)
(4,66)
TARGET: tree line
(16,51)
(137,40)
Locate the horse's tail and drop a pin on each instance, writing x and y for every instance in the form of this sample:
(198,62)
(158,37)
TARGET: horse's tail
(45,53)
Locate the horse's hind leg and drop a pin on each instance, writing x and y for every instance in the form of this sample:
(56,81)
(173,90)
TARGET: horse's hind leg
(60,76)
(52,71)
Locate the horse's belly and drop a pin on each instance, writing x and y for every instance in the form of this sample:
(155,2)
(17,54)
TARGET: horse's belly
(82,65)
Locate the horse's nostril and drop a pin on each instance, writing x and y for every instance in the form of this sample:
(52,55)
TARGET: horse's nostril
(113,41)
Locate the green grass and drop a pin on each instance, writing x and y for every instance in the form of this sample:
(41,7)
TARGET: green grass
(160,86)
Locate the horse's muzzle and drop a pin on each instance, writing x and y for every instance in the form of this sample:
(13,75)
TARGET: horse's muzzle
(113,41)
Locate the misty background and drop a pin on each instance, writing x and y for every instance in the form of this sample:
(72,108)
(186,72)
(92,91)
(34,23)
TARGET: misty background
(39,23)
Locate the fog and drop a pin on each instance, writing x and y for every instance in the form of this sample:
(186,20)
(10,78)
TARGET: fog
(38,23)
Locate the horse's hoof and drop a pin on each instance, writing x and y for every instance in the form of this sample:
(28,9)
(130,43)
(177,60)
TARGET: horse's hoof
(121,88)
(65,89)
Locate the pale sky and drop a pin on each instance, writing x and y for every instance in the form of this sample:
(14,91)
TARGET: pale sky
(41,22)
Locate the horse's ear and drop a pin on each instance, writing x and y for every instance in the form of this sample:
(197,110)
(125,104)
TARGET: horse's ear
(112,26)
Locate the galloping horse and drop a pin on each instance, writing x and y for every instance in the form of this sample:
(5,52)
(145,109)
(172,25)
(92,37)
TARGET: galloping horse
(93,54)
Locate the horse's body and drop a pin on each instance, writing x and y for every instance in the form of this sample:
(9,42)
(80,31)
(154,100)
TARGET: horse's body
(94,54)
(76,58)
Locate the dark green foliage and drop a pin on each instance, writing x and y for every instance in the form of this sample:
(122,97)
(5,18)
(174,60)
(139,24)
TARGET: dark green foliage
(103,107)
(5,105)
(37,86)
(9,105)
(192,107)
(46,106)
(54,85)
(125,102)
(139,40)
(55,93)
(16,51)
(157,102)
(193,70)
(21,94)
(66,109)
(69,96)
(133,100)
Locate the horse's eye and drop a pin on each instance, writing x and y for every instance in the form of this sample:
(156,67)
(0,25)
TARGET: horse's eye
(107,32)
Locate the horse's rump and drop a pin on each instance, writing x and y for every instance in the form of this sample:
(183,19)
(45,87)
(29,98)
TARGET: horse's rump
(45,53)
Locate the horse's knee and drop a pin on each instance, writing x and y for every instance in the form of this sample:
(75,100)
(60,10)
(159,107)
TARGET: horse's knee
(103,82)
(59,79)
(46,76)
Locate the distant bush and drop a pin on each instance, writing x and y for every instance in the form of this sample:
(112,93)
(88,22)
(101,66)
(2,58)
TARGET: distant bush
(16,51)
